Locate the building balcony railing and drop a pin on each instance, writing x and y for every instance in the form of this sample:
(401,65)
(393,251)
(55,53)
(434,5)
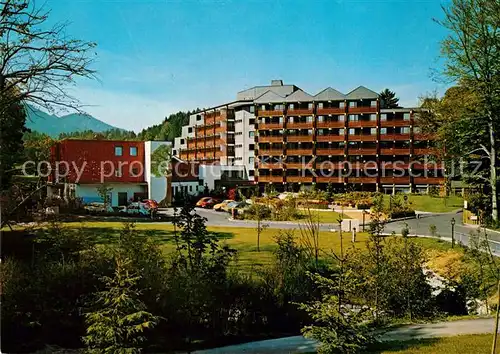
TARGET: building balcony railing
(330,165)
(326,138)
(395,180)
(270,179)
(363,165)
(428,180)
(299,179)
(270,138)
(270,165)
(299,152)
(270,113)
(362,137)
(395,151)
(209,121)
(394,137)
(303,111)
(300,125)
(270,152)
(428,166)
(394,165)
(330,110)
(395,123)
(299,138)
(220,130)
(362,180)
(297,165)
(330,179)
(362,124)
(221,118)
(329,152)
(362,151)
(330,124)
(362,109)
(266,126)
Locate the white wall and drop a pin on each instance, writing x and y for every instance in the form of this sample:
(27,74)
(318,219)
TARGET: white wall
(192,188)
(244,140)
(157,186)
(89,191)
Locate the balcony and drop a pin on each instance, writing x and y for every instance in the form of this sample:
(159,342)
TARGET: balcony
(209,121)
(299,152)
(362,151)
(330,179)
(327,138)
(427,166)
(299,179)
(270,113)
(395,151)
(270,165)
(270,179)
(362,180)
(330,124)
(298,112)
(394,165)
(267,126)
(298,165)
(270,138)
(269,152)
(395,123)
(330,152)
(395,180)
(428,180)
(300,125)
(221,118)
(220,129)
(368,109)
(394,137)
(362,124)
(299,138)
(362,137)
(330,110)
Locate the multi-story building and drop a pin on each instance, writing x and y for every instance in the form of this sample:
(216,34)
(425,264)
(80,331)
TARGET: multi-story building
(290,138)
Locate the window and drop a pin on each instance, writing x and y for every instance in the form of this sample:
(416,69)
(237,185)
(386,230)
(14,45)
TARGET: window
(383,117)
(321,118)
(252,109)
(373,104)
(118,151)
(383,130)
(251,160)
(353,104)
(183,141)
(320,105)
(290,120)
(190,188)
(342,104)
(353,117)
(310,132)
(251,121)
(373,131)
(263,107)
(352,131)
(291,106)
(133,150)
(251,173)
(309,119)
(310,106)
(405,130)
(406,116)
(341,118)
(321,132)
(251,147)
(251,134)
(373,117)
(198,117)
(341,131)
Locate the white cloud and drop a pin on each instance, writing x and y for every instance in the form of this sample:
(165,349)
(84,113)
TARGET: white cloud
(124,110)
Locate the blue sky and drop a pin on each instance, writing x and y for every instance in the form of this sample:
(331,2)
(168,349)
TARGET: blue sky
(157,57)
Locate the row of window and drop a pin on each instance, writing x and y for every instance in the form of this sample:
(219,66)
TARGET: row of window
(292,106)
(119,150)
(338,118)
(351,131)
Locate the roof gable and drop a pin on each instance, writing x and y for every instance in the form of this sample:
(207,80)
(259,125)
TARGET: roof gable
(270,97)
(329,94)
(299,96)
(361,93)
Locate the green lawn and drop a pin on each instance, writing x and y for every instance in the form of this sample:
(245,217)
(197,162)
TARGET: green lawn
(326,217)
(432,204)
(468,344)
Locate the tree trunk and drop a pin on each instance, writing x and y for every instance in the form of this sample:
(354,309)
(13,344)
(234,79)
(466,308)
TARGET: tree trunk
(493,171)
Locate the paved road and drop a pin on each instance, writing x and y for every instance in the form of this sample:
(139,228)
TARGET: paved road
(299,344)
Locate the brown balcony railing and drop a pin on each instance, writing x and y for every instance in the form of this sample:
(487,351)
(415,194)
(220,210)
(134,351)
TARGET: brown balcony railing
(267,165)
(362,151)
(395,123)
(270,138)
(394,137)
(361,137)
(368,109)
(270,113)
(270,179)
(395,151)
(428,180)
(299,138)
(362,124)
(299,111)
(394,164)
(330,179)
(427,166)
(328,152)
(298,165)
(330,110)
(265,126)
(362,180)
(395,180)
(270,152)
(326,138)
(299,125)
(299,152)
(299,179)
(330,124)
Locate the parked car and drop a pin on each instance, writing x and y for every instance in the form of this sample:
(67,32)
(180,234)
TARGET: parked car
(228,207)
(150,203)
(220,206)
(136,208)
(97,207)
(206,202)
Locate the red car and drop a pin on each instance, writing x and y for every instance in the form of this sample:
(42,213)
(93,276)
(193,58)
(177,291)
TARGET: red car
(151,204)
(206,202)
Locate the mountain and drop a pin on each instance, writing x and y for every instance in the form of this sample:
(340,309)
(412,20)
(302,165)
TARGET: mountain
(53,125)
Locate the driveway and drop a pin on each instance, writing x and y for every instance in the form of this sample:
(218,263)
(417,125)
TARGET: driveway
(299,344)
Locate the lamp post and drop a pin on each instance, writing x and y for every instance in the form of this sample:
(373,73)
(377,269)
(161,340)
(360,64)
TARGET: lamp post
(452,232)
(364,214)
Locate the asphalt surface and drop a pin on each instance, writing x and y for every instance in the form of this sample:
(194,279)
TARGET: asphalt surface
(299,344)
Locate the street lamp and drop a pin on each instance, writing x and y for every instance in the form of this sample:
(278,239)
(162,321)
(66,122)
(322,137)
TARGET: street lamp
(452,232)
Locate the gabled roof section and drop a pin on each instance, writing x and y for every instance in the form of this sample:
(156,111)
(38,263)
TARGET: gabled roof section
(329,94)
(270,97)
(361,93)
(299,96)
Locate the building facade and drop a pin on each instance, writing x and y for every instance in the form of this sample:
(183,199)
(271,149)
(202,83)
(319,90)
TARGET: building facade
(283,136)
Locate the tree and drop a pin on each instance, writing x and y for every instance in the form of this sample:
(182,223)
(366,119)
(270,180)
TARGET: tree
(161,160)
(472,58)
(103,191)
(37,60)
(388,99)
